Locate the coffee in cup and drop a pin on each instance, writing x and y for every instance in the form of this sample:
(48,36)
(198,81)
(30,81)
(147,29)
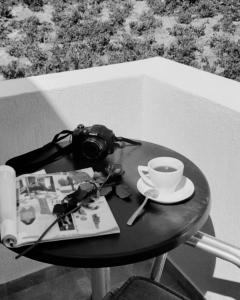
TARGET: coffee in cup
(163,173)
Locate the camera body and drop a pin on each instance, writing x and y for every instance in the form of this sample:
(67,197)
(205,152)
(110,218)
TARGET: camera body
(93,142)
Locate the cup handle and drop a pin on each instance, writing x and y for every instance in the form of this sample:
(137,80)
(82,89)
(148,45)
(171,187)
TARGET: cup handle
(143,172)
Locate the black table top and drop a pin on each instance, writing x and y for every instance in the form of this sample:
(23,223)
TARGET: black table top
(161,228)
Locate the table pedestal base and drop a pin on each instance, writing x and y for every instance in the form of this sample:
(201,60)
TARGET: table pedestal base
(100,279)
(157,267)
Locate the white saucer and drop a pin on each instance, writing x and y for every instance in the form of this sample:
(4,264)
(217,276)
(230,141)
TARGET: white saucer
(183,191)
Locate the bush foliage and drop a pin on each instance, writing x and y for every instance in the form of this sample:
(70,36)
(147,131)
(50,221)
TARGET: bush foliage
(85,33)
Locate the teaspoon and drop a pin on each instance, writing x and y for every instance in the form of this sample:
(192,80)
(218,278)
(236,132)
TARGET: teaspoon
(152,193)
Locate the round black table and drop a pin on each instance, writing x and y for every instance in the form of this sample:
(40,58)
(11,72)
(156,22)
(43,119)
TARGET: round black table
(161,228)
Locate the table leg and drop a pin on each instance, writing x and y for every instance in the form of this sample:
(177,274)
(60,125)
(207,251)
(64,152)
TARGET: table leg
(157,267)
(100,279)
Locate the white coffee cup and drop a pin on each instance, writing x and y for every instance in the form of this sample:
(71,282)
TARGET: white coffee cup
(163,173)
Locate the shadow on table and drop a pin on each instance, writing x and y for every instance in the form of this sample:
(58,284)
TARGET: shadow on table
(200,266)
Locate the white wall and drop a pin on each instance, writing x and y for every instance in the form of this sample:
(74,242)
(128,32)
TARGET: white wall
(209,134)
(190,111)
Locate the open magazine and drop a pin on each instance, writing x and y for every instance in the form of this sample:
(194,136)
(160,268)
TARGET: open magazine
(26,205)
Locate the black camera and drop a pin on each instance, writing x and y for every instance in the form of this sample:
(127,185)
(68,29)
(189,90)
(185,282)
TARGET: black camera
(95,142)
(91,143)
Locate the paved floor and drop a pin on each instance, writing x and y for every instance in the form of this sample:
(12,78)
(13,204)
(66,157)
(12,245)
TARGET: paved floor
(75,283)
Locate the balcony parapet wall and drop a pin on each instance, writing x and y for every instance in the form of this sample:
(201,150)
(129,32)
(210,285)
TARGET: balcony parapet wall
(188,110)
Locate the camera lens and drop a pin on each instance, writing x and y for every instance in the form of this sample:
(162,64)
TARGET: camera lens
(92,148)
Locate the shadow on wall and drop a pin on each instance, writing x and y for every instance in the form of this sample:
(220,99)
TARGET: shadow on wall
(27,122)
(30,120)
(200,266)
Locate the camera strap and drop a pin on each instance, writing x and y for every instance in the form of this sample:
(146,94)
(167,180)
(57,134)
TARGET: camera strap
(52,151)
(123,139)
(36,159)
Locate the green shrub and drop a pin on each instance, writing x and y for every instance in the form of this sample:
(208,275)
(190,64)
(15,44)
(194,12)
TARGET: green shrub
(35,5)
(146,23)
(17,49)
(216,27)
(69,57)
(31,28)
(205,65)
(79,56)
(183,50)
(34,31)
(119,11)
(187,30)
(3,33)
(185,17)
(206,9)
(229,58)
(231,9)
(5,9)
(95,33)
(13,70)
(158,7)
(56,61)
(227,24)
(168,6)
(131,49)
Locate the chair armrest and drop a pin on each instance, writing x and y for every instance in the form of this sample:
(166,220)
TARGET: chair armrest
(216,247)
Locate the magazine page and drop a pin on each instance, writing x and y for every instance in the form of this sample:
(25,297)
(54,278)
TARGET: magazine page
(8,205)
(36,197)
(8,214)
